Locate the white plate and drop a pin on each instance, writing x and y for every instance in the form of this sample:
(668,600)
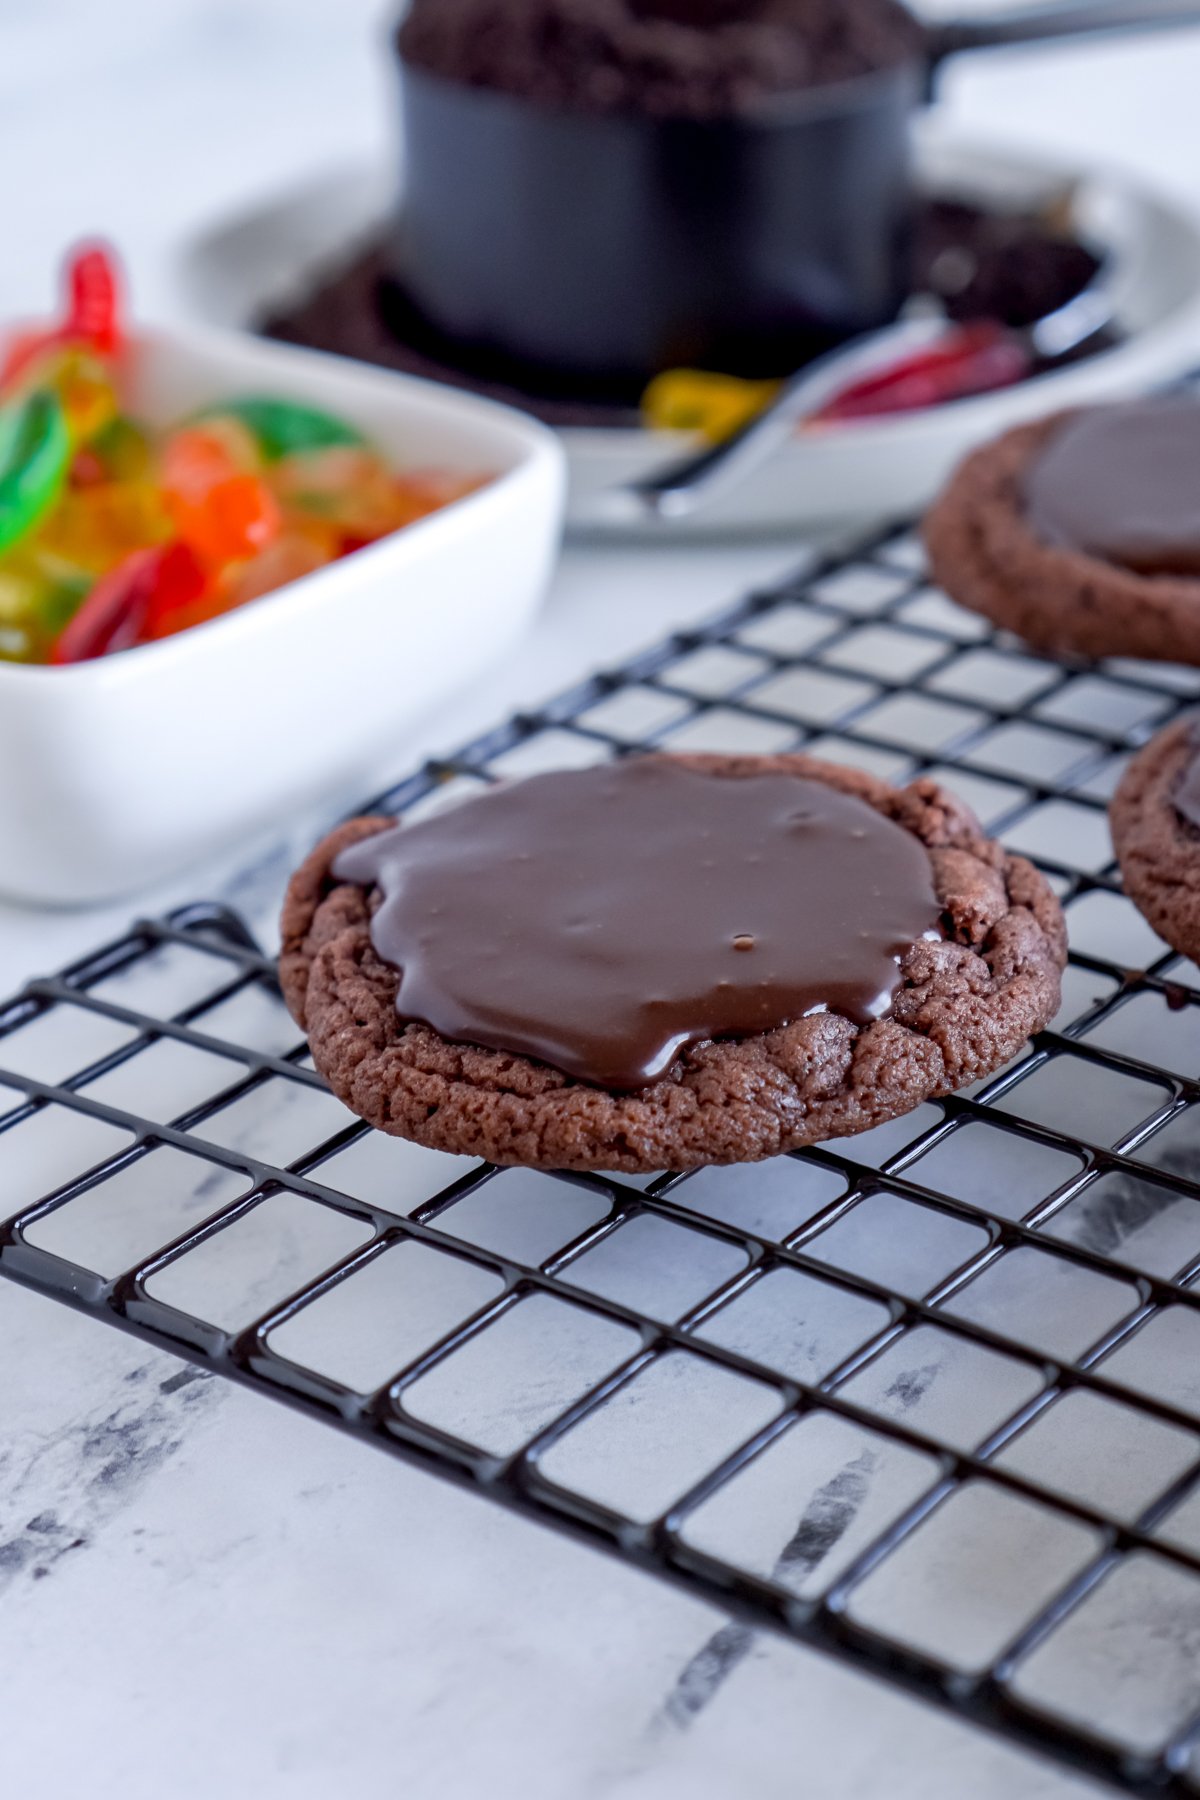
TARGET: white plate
(236,269)
(122,770)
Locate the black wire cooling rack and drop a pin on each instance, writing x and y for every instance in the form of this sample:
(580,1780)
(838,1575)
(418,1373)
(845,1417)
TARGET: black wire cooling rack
(927,1399)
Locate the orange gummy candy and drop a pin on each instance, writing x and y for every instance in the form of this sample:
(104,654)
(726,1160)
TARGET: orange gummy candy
(424,491)
(215,499)
(236,519)
(292,555)
(349,488)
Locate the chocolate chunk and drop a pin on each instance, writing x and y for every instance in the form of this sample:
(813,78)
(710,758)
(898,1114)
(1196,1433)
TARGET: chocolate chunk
(1014,267)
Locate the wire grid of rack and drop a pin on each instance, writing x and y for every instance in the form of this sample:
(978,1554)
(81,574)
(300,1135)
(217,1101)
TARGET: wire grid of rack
(927,1399)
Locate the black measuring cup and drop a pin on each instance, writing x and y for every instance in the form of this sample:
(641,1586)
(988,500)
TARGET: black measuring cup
(581,253)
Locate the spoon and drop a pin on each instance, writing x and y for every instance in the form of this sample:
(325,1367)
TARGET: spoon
(686,485)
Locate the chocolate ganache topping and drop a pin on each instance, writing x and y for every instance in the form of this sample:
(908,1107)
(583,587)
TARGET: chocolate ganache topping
(1122,483)
(601,920)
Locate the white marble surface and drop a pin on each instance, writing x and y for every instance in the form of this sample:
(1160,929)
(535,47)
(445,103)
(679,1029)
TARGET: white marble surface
(204,1593)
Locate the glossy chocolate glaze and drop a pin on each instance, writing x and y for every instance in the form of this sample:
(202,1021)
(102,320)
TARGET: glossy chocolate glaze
(600,920)
(1122,483)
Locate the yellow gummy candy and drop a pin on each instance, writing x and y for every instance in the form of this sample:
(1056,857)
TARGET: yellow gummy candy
(23,596)
(695,400)
(96,528)
(83,383)
(343,486)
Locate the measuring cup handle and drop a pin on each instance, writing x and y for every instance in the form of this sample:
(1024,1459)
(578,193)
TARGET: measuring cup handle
(1056,19)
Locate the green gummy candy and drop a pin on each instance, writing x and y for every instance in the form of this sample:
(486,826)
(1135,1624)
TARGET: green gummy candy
(284,428)
(35,450)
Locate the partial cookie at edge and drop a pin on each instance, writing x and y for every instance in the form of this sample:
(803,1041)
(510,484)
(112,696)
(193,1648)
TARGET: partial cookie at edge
(1159,852)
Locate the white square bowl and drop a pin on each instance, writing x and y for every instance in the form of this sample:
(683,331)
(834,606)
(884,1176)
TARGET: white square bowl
(122,770)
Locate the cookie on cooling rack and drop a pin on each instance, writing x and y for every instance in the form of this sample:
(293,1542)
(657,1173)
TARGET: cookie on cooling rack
(666,962)
(1155,816)
(1082,532)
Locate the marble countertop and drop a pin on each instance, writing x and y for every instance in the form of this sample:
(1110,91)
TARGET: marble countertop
(204,1593)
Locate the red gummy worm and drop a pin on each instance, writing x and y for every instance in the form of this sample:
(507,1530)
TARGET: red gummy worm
(93,298)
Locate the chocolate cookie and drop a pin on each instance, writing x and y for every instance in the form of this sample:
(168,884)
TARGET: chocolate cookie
(1155,817)
(1082,532)
(858,948)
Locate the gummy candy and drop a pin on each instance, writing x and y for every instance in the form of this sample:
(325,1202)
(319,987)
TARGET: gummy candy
(94,526)
(294,553)
(34,607)
(976,358)
(131,603)
(123,450)
(968,359)
(427,491)
(83,384)
(281,427)
(91,318)
(236,518)
(348,487)
(111,617)
(35,449)
(181,595)
(215,501)
(112,535)
(695,400)
(93,300)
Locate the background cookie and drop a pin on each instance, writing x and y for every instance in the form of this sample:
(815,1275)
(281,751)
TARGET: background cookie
(964,1007)
(986,555)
